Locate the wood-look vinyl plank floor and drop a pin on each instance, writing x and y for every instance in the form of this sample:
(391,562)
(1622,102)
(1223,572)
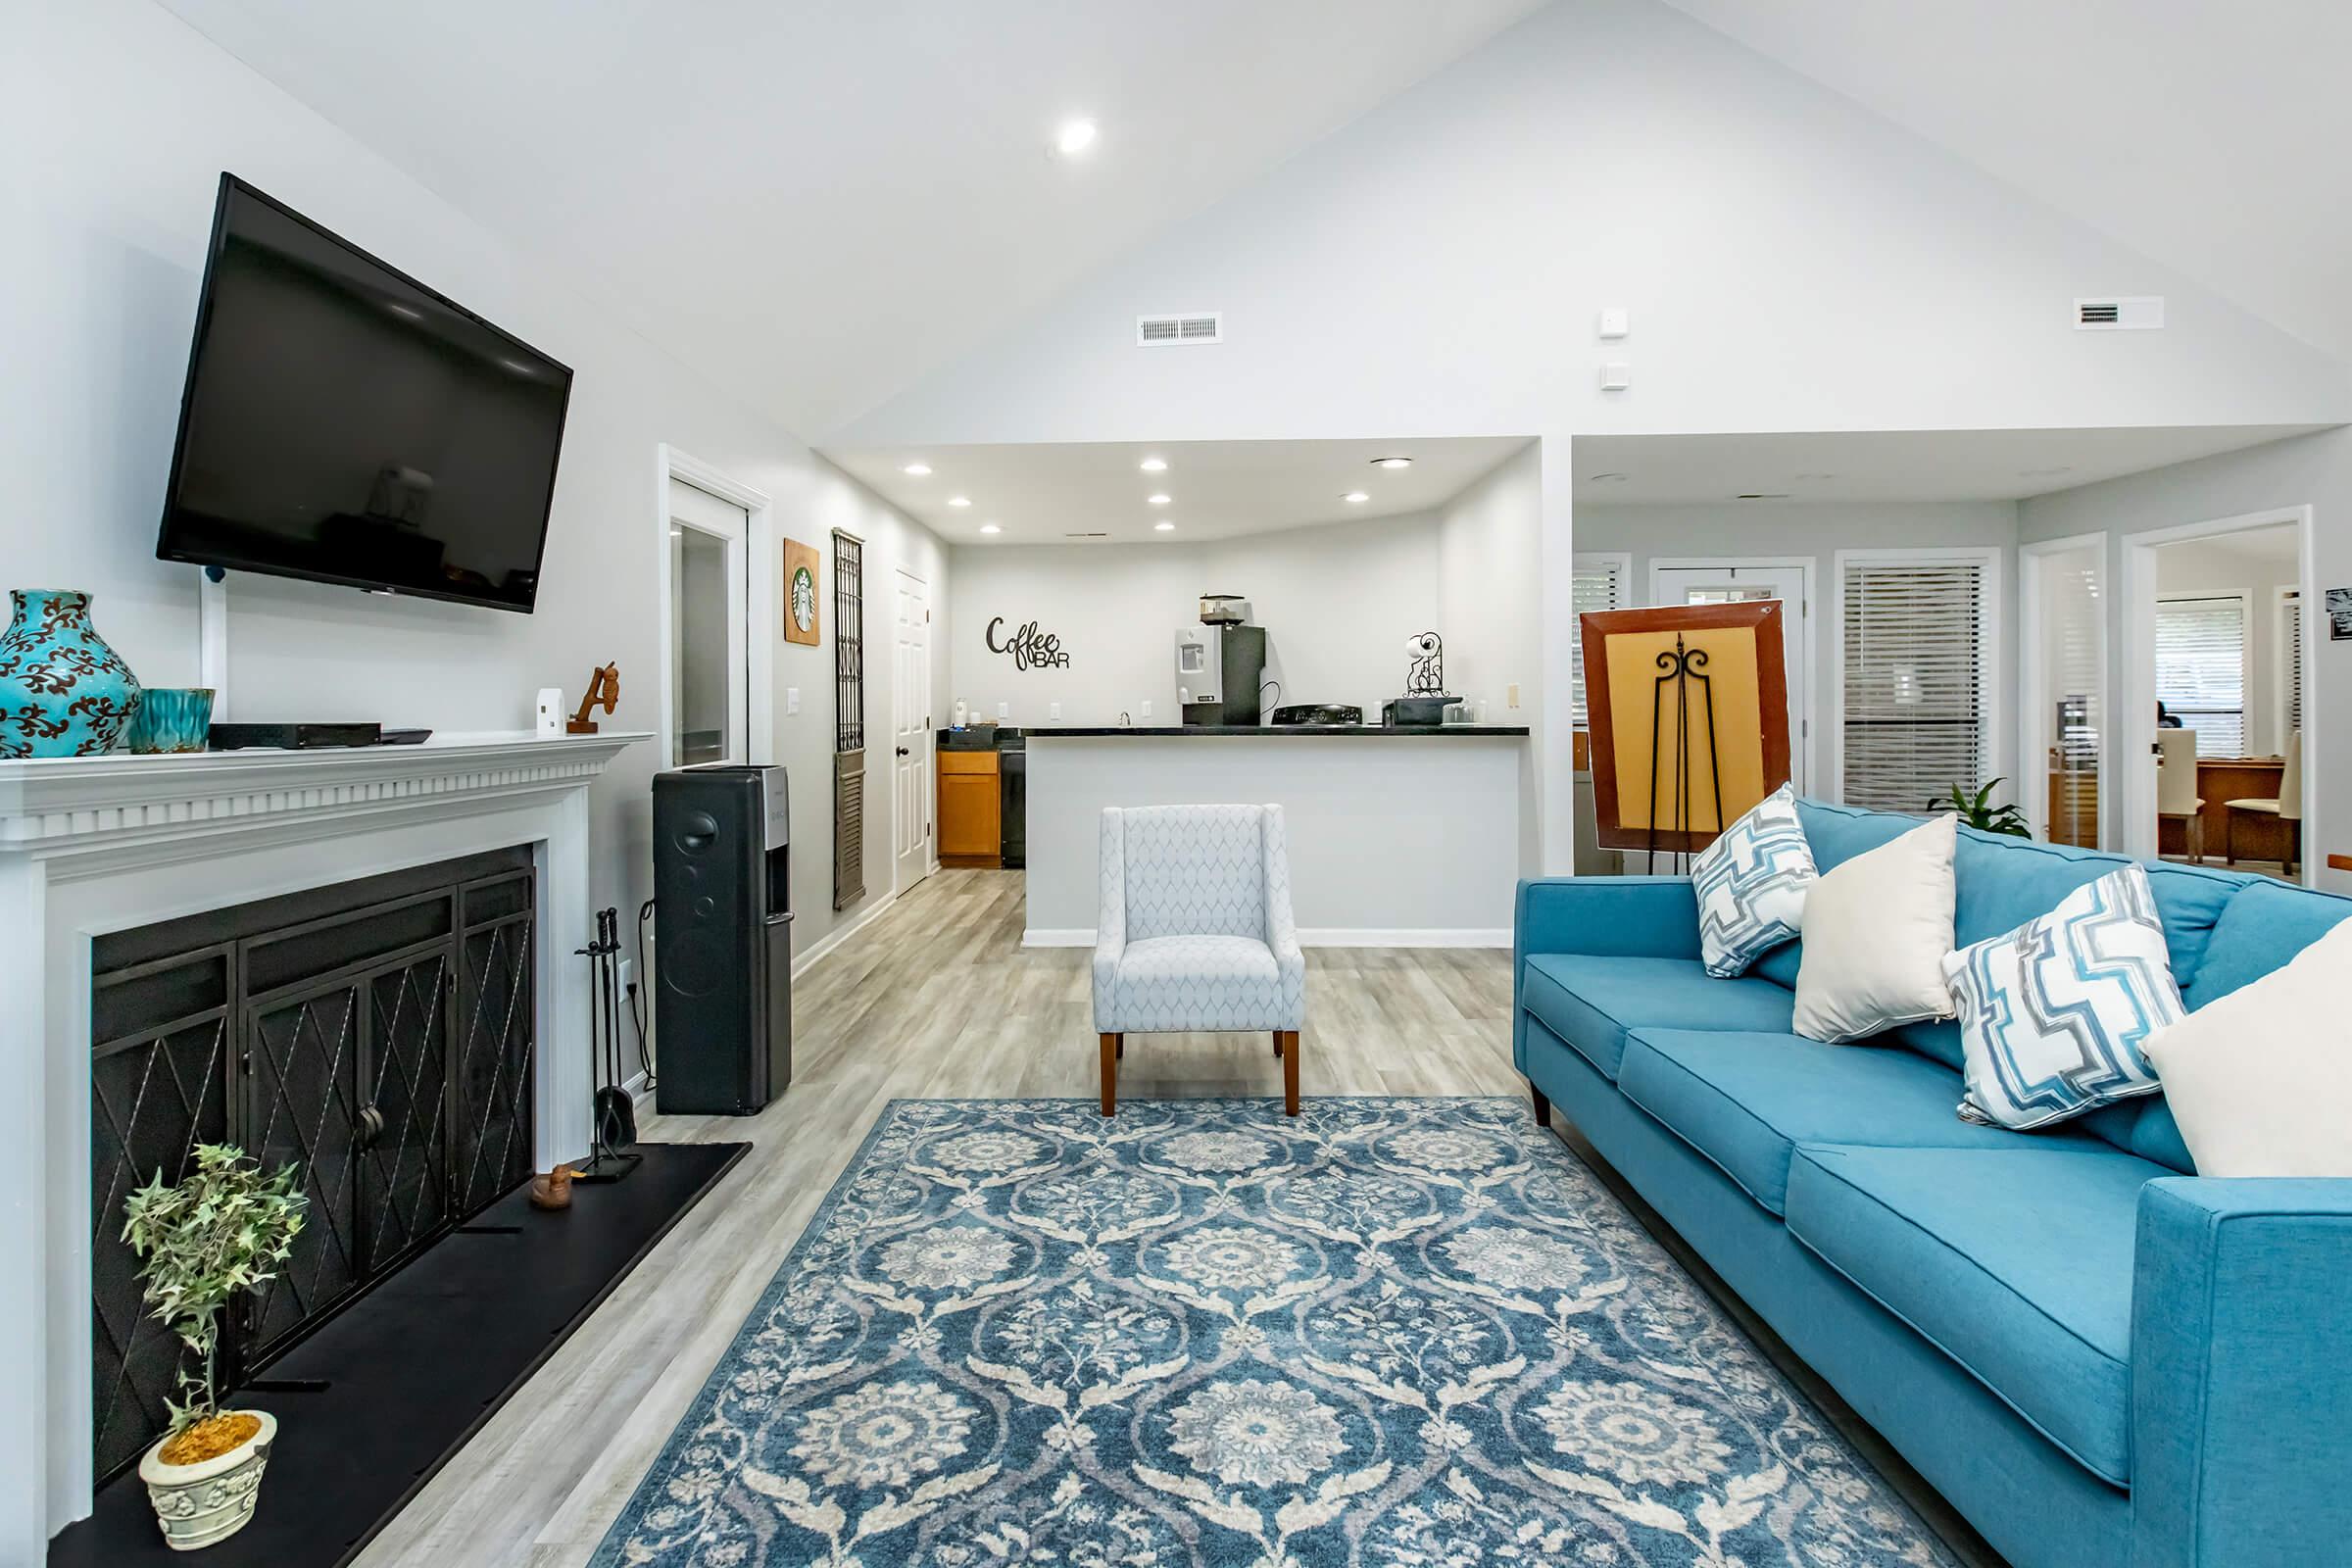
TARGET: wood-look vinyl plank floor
(937,999)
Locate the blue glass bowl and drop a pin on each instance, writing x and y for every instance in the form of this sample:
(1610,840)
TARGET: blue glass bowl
(171,719)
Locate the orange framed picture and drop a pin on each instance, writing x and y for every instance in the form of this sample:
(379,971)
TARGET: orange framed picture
(1688,713)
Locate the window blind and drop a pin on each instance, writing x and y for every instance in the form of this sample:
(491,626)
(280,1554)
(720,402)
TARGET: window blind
(1914,712)
(1596,586)
(2290,646)
(2201,668)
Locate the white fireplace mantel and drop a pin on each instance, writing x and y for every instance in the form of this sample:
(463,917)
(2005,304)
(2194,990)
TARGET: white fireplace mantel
(94,845)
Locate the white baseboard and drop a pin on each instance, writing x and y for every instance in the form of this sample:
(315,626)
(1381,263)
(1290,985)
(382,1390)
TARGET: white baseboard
(801,962)
(1320,937)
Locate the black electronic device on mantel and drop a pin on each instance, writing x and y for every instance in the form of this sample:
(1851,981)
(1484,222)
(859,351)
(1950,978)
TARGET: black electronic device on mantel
(722,939)
(345,422)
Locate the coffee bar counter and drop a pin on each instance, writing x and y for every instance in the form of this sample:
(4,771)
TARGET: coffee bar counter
(1278,731)
(1417,840)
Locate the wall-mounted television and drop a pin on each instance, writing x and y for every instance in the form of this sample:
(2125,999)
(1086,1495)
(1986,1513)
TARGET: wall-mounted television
(345,424)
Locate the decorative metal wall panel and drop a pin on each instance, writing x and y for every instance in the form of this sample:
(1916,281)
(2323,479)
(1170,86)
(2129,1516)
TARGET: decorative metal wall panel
(385,1044)
(848,719)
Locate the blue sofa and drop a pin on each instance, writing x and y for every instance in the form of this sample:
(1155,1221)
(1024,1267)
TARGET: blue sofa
(2100,1358)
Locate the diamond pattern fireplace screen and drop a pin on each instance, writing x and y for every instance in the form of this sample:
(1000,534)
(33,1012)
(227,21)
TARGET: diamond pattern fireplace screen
(380,1034)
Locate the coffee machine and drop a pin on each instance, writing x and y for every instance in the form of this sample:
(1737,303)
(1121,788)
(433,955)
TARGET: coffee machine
(1219,669)
(722,939)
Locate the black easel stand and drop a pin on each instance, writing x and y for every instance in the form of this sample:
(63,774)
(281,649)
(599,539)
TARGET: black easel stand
(613,1120)
(1681,667)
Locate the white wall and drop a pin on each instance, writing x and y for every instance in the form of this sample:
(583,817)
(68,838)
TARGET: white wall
(1815,532)
(121,118)
(2254,566)
(1337,602)
(2314,471)
(1491,609)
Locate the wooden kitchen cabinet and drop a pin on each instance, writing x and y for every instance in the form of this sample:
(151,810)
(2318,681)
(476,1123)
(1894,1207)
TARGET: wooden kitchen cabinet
(971,830)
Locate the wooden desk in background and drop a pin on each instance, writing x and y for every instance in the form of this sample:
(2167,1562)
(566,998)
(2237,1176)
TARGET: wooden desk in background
(2221,779)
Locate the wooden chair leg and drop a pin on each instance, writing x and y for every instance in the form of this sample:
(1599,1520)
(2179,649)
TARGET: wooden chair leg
(1122,1050)
(1543,1105)
(1278,1044)
(2228,837)
(2294,846)
(2195,837)
(1287,1043)
(1111,1046)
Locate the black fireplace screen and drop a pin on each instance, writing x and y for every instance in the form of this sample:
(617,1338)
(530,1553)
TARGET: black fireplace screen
(379,1033)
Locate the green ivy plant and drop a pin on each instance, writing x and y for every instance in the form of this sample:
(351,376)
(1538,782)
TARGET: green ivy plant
(1975,809)
(220,1231)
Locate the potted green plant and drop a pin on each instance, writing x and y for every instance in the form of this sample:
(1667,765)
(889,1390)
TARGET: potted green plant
(1974,808)
(218,1233)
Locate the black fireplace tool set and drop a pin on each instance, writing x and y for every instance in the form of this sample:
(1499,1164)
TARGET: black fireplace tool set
(609,1155)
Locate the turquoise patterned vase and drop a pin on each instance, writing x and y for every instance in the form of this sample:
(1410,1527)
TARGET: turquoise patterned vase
(63,692)
(171,719)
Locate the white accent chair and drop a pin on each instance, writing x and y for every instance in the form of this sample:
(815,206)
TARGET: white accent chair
(1193,932)
(2176,788)
(2287,808)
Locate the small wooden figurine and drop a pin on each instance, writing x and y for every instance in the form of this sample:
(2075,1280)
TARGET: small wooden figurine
(604,690)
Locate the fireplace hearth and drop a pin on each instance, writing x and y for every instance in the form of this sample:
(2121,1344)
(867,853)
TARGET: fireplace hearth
(379,1033)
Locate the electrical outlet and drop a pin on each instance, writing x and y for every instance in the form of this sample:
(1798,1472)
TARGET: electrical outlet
(628,975)
(1146,708)
(1004,710)
(792,700)
(1053,711)
(1510,695)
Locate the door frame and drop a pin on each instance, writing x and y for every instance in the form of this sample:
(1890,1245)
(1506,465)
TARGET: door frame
(1801,744)
(2031,676)
(763,560)
(2137,729)
(927,775)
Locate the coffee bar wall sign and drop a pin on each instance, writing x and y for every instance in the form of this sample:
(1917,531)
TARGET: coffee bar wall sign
(1028,648)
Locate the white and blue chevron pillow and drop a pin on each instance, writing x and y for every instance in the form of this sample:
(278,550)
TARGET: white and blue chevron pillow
(1751,885)
(2053,1013)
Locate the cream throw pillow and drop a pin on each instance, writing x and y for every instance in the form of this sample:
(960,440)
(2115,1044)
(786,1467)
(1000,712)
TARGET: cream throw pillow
(2261,1080)
(1876,931)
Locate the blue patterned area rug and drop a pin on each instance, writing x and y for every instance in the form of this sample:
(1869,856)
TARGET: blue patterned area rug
(1202,1335)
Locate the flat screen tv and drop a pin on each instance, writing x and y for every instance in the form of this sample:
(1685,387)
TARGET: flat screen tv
(344,422)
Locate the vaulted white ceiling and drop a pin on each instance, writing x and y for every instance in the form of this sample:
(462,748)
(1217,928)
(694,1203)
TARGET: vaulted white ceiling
(2213,138)
(817,203)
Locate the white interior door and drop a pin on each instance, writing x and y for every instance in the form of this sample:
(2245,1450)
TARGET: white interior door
(707,698)
(2065,648)
(910,730)
(1730,582)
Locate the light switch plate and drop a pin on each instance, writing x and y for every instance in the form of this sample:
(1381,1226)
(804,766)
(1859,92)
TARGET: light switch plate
(1004,710)
(1510,695)
(1616,322)
(1053,711)
(1146,708)
(792,700)
(1616,376)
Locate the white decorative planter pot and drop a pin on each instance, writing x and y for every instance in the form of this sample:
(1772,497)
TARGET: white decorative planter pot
(198,1504)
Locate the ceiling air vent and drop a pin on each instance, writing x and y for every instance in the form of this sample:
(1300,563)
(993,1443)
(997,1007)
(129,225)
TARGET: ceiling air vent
(2120,312)
(1167,331)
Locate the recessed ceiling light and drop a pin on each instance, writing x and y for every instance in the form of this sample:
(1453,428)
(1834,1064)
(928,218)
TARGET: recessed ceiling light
(1355,498)
(1163,526)
(990,527)
(1159,500)
(1606,478)
(959,500)
(917,470)
(1074,137)
(1154,464)
(1392,463)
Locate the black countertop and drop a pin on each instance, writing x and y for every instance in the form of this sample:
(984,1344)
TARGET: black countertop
(1274,731)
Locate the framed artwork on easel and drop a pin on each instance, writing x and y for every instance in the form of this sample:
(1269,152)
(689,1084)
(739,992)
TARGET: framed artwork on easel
(1689,707)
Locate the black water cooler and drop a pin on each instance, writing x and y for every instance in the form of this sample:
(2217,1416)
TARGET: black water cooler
(722,939)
